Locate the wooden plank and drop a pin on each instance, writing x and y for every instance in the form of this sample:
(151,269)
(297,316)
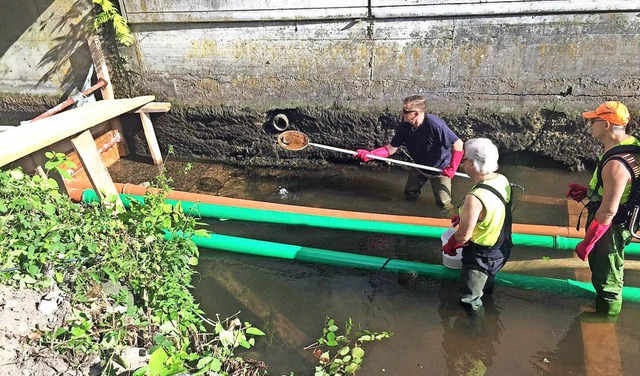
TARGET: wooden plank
(95,169)
(155,107)
(152,141)
(116,125)
(543,200)
(574,209)
(107,149)
(109,157)
(28,138)
(102,71)
(100,64)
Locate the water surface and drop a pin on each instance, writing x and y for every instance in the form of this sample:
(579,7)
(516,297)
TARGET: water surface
(524,332)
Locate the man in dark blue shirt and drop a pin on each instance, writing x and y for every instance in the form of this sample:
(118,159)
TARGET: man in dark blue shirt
(430,142)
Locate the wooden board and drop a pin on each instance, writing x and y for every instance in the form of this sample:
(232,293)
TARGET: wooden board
(109,154)
(155,107)
(28,138)
(96,170)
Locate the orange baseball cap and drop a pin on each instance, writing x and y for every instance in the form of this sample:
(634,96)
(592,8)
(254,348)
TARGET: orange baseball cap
(612,111)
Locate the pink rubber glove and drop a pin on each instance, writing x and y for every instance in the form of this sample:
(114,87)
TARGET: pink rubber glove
(456,158)
(594,233)
(455,220)
(577,192)
(379,152)
(451,246)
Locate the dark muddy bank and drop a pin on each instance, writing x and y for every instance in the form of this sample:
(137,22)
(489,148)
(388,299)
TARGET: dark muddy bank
(545,135)
(247,136)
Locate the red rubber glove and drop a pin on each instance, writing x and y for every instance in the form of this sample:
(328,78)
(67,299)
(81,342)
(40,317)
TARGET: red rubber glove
(455,220)
(451,246)
(577,192)
(594,233)
(379,152)
(456,158)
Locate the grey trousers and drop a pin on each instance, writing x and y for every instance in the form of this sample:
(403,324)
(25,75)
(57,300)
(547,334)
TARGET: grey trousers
(441,186)
(474,283)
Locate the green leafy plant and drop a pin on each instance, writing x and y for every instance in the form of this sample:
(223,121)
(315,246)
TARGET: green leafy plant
(127,273)
(58,162)
(109,13)
(341,354)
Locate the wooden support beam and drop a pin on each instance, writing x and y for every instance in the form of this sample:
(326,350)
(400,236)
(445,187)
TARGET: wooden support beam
(152,141)
(30,137)
(97,172)
(102,71)
(100,64)
(154,107)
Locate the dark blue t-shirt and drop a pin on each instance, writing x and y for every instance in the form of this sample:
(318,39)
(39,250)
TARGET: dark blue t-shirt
(429,144)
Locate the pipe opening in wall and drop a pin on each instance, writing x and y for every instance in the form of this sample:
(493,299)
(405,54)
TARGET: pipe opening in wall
(280,122)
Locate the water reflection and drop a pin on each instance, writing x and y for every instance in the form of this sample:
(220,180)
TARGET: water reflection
(469,340)
(589,347)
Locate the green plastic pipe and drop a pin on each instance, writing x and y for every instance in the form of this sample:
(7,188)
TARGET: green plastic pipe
(315,255)
(270,216)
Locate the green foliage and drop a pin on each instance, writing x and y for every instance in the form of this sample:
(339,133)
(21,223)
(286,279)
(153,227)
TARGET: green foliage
(57,161)
(127,273)
(109,13)
(341,354)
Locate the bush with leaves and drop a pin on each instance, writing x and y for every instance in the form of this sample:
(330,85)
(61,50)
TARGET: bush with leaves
(127,273)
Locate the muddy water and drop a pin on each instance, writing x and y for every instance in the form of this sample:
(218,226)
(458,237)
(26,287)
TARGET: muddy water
(523,332)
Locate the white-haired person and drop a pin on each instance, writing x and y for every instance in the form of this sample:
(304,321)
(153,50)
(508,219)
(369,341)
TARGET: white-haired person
(484,223)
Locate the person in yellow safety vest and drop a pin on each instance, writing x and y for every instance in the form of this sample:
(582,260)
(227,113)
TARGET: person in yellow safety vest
(606,234)
(484,220)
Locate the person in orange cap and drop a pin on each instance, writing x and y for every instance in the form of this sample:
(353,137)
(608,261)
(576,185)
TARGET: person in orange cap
(608,191)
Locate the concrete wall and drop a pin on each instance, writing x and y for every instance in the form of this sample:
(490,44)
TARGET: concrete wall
(240,53)
(43,47)
(517,71)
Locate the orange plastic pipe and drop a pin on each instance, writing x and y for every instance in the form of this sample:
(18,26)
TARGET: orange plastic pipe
(76,187)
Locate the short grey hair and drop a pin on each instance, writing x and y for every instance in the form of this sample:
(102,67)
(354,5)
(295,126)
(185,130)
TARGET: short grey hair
(483,154)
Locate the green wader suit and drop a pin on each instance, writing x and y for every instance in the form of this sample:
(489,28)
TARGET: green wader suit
(606,261)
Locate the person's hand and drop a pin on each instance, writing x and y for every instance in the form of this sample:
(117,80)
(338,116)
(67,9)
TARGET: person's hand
(449,172)
(577,192)
(450,248)
(379,152)
(455,220)
(362,155)
(593,234)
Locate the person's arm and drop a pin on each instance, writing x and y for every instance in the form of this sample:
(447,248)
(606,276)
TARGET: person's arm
(383,151)
(458,145)
(457,152)
(615,177)
(469,215)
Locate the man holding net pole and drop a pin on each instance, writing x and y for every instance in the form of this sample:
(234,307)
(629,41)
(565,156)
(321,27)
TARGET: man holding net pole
(429,142)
